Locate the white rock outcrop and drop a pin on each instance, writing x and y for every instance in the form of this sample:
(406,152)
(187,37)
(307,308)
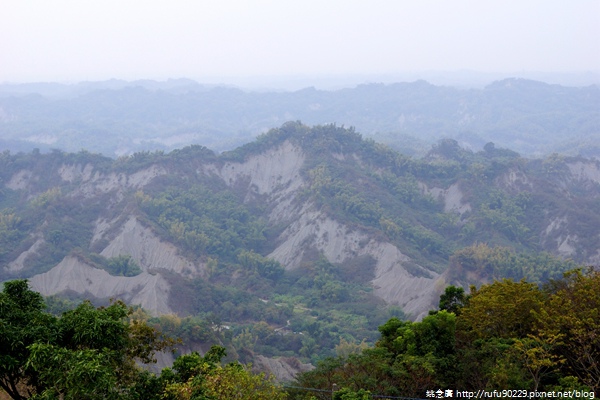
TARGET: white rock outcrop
(588,170)
(95,184)
(151,291)
(284,370)
(276,173)
(392,283)
(452,198)
(151,253)
(18,263)
(76,172)
(20,180)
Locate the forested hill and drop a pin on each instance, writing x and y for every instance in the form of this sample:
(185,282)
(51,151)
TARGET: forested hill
(315,232)
(119,118)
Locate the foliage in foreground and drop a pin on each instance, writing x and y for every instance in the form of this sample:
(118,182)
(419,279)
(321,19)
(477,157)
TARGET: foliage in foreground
(503,335)
(92,353)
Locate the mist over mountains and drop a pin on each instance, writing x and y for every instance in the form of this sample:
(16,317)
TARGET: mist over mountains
(333,200)
(301,241)
(119,118)
(284,243)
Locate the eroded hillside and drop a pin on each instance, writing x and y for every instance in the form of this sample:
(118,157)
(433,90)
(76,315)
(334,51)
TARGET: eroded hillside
(310,230)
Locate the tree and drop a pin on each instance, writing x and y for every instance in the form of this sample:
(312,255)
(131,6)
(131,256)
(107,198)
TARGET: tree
(347,347)
(537,357)
(507,334)
(123,265)
(235,381)
(348,394)
(409,358)
(571,320)
(72,374)
(494,317)
(453,299)
(502,309)
(22,323)
(86,353)
(201,377)
(424,351)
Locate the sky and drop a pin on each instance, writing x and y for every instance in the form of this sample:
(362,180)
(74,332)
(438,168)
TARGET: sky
(221,40)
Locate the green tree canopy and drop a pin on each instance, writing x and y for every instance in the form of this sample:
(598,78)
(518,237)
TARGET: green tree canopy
(571,321)
(23,323)
(506,334)
(202,377)
(502,309)
(87,353)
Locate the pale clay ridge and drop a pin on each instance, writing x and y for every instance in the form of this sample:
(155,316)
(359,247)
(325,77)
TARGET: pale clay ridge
(452,198)
(277,173)
(149,251)
(566,246)
(19,263)
(20,180)
(151,291)
(91,183)
(392,283)
(555,224)
(71,173)
(583,171)
(515,177)
(97,184)
(280,368)
(148,290)
(589,170)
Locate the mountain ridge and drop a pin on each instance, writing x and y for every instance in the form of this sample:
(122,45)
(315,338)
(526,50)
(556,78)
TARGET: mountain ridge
(273,171)
(143,117)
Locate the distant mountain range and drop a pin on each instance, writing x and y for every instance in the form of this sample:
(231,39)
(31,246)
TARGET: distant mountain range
(117,118)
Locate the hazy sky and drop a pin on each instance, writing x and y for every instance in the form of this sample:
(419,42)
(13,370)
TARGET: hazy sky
(64,40)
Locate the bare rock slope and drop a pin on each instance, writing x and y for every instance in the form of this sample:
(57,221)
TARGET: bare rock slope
(275,177)
(73,275)
(277,174)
